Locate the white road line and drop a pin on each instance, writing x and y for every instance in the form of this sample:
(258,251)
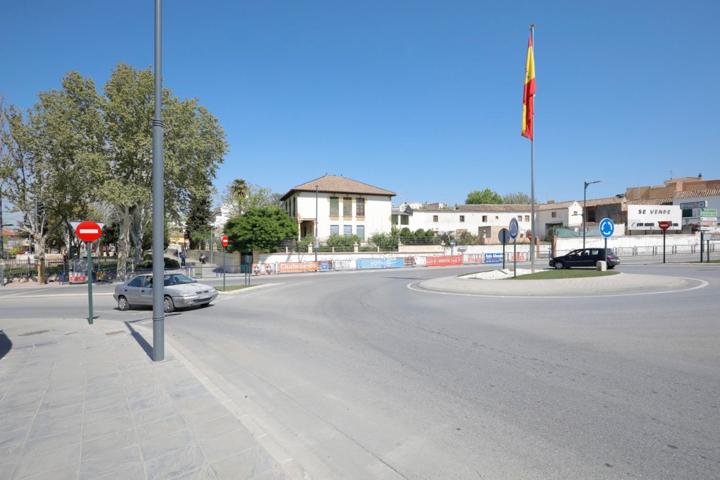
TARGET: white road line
(412,286)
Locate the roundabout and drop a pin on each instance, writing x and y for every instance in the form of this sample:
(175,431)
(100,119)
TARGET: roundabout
(621,284)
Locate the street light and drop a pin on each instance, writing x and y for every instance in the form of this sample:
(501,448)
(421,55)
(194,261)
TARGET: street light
(584,215)
(315,249)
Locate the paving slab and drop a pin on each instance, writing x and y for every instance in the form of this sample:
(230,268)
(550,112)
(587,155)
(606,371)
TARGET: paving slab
(85,401)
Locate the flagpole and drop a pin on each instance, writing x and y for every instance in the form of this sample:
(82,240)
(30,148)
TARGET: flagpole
(532,177)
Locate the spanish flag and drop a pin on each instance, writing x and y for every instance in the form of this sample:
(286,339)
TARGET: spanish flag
(529,92)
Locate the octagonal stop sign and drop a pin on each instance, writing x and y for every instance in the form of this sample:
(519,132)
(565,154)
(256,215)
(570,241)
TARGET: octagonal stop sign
(225,241)
(88,231)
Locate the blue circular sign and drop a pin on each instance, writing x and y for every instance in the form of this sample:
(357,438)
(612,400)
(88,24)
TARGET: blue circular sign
(514,228)
(607,227)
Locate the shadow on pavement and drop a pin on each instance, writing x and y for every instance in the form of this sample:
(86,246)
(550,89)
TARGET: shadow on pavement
(140,340)
(5,344)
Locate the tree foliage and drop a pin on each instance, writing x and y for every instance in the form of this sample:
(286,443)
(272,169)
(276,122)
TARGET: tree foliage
(516,198)
(483,197)
(241,196)
(259,229)
(198,220)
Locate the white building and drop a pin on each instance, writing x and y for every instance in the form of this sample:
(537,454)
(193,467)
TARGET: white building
(342,206)
(483,220)
(557,215)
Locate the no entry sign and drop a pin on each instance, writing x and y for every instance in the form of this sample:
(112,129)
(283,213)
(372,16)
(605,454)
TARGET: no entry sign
(664,224)
(225,241)
(88,231)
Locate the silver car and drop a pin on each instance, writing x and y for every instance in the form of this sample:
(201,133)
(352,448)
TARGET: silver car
(180,291)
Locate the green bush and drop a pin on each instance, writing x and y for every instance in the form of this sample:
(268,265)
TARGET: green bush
(341,241)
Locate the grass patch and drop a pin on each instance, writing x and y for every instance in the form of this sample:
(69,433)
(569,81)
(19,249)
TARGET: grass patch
(232,288)
(555,274)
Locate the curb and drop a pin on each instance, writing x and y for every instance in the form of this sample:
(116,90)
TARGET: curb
(247,289)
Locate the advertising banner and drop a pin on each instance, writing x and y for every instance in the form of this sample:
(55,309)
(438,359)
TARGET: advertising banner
(646,217)
(324,265)
(343,264)
(519,256)
(297,267)
(493,258)
(444,260)
(472,258)
(370,263)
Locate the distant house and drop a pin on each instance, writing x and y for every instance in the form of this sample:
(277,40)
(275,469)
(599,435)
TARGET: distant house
(483,220)
(341,205)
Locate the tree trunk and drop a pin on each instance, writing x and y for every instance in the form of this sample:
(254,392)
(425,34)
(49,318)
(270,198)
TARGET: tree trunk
(123,243)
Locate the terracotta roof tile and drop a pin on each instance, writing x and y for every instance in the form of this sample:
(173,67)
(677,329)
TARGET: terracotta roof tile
(338,184)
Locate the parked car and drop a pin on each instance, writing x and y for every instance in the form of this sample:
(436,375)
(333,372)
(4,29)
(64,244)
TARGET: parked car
(587,257)
(180,291)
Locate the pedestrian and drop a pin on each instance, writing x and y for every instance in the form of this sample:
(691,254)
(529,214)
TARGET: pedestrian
(183,256)
(202,259)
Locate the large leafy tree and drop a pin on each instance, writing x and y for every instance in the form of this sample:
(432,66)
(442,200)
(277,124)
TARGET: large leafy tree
(194,147)
(483,196)
(259,229)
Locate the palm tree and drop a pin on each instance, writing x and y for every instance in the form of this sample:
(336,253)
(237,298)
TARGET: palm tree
(238,189)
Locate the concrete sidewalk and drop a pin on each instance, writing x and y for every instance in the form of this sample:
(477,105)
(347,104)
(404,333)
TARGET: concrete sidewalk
(81,401)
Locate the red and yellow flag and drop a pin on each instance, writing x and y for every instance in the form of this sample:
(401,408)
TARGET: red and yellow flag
(529,92)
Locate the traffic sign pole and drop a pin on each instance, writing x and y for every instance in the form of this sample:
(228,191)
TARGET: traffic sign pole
(503,255)
(88,245)
(514,258)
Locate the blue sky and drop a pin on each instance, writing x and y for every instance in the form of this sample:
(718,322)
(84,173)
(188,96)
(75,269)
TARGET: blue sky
(420,97)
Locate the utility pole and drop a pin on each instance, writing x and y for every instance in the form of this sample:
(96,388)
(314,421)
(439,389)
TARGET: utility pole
(315,246)
(584,214)
(158,187)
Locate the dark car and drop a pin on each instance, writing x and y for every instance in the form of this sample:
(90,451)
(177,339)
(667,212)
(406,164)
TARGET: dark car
(584,257)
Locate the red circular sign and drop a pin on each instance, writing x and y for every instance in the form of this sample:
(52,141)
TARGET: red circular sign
(664,224)
(225,241)
(88,231)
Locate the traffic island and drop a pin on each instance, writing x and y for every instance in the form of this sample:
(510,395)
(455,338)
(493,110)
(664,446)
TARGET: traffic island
(558,274)
(548,283)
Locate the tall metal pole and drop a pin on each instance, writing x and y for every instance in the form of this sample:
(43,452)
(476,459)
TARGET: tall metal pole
(315,246)
(88,245)
(585,185)
(158,214)
(532,181)
(2,231)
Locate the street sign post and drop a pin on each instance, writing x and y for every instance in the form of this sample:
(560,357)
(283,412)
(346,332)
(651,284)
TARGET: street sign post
(607,228)
(225,242)
(504,237)
(664,225)
(89,232)
(513,230)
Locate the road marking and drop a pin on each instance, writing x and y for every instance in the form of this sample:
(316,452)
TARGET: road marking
(413,286)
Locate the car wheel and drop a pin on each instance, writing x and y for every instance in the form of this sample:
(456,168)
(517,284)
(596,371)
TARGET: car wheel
(559,266)
(169,304)
(205,305)
(123,304)
(610,267)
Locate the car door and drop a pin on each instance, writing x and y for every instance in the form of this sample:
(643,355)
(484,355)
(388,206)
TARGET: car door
(131,290)
(573,258)
(593,257)
(146,291)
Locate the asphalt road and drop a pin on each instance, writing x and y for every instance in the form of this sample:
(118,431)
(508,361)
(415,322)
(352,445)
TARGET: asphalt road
(356,376)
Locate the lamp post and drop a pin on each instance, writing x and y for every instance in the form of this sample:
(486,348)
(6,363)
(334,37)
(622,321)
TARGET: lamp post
(158,196)
(315,246)
(584,214)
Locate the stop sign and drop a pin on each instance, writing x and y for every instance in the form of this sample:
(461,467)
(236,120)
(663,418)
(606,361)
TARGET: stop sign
(88,231)
(664,224)
(225,241)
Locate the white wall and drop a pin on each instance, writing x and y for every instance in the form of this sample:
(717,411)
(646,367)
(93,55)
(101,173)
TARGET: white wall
(449,220)
(633,244)
(376,220)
